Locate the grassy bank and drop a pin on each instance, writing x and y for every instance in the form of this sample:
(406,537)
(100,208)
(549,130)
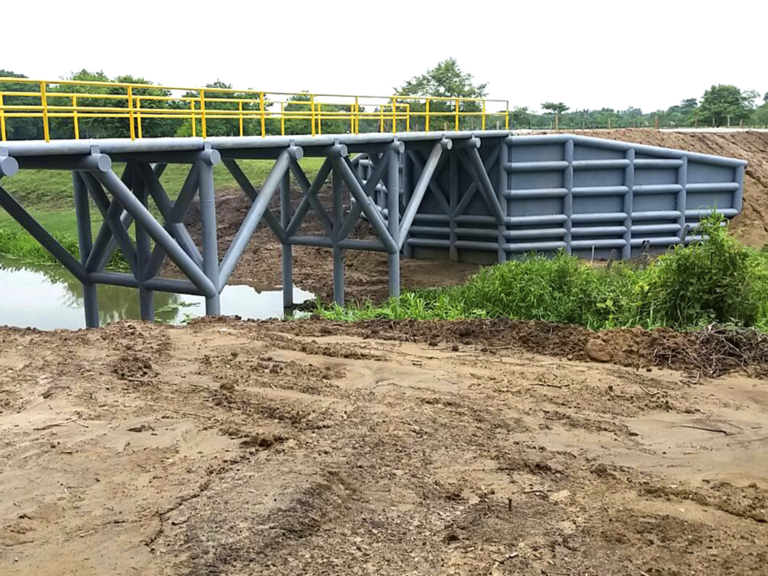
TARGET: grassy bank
(715,281)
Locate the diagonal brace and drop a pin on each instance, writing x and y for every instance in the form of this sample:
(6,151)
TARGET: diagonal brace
(310,198)
(250,191)
(41,235)
(369,189)
(252,219)
(369,208)
(433,184)
(421,188)
(156,231)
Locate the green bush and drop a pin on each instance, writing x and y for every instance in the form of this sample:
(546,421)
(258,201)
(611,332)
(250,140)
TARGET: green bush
(716,280)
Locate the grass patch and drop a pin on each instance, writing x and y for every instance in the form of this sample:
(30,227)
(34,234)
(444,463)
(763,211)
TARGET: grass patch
(714,281)
(20,246)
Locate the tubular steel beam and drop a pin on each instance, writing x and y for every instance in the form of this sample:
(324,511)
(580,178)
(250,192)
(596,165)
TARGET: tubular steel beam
(338,252)
(210,237)
(370,186)
(369,209)
(85,244)
(421,188)
(250,191)
(252,219)
(286,251)
(310,197)
(159,234)
(393,203)
(40,234)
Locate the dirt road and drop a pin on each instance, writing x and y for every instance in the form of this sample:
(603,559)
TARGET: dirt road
(314,448)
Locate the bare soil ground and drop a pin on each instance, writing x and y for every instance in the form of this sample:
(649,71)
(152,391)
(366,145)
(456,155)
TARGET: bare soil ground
(241,448)
(366,272)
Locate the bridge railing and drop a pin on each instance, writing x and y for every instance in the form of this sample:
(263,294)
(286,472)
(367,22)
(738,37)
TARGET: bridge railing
(77,109)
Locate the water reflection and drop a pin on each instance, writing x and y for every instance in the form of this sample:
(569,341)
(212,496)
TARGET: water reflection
(49,297)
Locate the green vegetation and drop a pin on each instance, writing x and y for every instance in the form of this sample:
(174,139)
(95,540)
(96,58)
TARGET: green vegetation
(18,245)
(714,281)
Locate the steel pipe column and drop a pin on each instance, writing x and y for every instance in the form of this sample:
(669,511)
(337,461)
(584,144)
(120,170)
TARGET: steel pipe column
(210,237)
(393,219)
(338,223)
(85,244)
(287,249)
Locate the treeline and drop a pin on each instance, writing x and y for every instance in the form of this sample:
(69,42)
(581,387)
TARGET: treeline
(160,101)
(720,106)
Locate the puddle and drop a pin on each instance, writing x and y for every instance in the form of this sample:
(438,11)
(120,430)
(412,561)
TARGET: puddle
(48,297)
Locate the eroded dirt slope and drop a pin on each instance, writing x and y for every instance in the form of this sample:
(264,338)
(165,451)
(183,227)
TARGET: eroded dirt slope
(752,225)
(306,448)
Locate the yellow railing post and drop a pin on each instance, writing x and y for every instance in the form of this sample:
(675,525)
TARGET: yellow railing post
(381,118)
(194,120)
(426,122)
(3,135)
(202,114)
(44,102)
(483,114)
(75,119)
(240,108)
(263,117)
(319,119)
(130,112)
(357,115)
(138,115)
(407,117)
(394,115)
(282,119)
(457,114)
(312,111)
(506,123)
(352,118)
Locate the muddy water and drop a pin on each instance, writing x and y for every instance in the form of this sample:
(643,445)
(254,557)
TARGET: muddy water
(48,297)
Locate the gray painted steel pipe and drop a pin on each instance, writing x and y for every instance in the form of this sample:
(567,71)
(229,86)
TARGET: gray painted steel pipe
(112,183)
(252,219)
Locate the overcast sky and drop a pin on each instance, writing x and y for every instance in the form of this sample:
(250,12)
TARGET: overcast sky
(590,54)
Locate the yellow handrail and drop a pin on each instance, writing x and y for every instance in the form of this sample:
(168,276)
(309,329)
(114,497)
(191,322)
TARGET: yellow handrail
(55,101)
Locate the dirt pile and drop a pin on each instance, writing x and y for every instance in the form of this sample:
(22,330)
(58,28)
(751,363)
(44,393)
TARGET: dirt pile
(751,226)
(710,352)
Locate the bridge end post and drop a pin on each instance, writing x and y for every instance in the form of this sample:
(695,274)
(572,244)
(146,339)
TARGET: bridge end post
(85,245)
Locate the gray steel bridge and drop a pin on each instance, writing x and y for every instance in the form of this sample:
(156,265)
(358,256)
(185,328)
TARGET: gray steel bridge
(482,196)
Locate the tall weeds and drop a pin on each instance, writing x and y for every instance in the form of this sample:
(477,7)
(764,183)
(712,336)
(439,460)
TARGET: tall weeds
(717,280)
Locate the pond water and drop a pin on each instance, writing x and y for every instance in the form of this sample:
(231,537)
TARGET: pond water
(49,297)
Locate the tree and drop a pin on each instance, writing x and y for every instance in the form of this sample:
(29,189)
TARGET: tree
(21,128)
(556,109)
(445,80)
(724,103)
(522,117)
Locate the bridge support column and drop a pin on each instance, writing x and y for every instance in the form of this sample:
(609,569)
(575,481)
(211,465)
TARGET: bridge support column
(210,240)
(287,249)
(85,244)
(143,255)
(338,222)
(393,219)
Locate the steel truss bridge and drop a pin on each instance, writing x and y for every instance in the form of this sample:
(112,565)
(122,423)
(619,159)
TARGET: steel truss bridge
(483,197)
